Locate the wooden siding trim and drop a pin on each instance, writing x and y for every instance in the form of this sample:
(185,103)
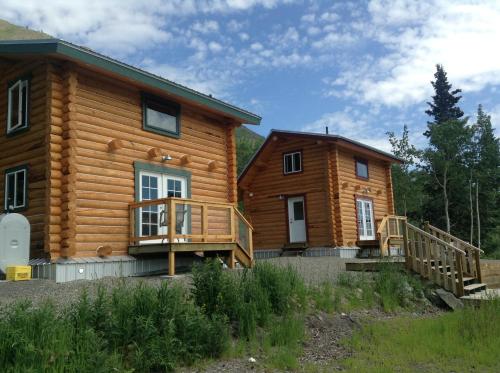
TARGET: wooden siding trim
(329,181)
(232,169)
(337,197)
(390,191)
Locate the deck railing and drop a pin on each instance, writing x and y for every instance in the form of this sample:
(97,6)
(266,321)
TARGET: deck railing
(470,261)
(434,259)
(182,220)
(390,227)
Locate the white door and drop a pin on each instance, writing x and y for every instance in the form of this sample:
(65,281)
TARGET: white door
(366,227)
(297,219)
(152,219)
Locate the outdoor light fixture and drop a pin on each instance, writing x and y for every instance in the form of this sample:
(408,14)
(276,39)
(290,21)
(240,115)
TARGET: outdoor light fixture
(166,158)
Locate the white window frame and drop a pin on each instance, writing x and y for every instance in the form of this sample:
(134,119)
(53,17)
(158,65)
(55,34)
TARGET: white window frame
(23,108)
(292,154)
(25,189)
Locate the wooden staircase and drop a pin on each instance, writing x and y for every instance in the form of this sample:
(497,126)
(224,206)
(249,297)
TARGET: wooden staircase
(446,260)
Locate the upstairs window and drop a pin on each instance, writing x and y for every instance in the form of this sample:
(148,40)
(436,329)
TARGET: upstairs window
(361,168)
(161,116)
(292,162)
(16,189)
(17,106)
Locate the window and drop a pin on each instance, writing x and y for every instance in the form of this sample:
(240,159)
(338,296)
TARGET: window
(16,189)
(161,116)
(292,162)
(361,168)
(17,112)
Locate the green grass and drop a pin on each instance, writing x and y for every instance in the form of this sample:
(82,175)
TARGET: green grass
(464,341)
(8,31)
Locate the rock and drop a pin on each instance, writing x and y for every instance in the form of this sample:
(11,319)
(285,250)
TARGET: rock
(252,360)
(452,301)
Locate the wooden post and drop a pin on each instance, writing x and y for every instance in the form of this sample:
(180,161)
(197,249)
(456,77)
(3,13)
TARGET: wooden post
(460,284)
(478,265)
(405,245)
(250,245)
(204,222)
(171,262)
(455,274)
(171,221)
(231,259)
(427,244)
(131,220)
(232,224)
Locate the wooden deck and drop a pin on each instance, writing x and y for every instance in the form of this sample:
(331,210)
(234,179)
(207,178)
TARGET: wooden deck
(188,225)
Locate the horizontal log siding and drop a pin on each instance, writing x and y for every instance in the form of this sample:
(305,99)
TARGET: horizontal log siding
(28,147)
(377,182)
(103,184)
(268,212)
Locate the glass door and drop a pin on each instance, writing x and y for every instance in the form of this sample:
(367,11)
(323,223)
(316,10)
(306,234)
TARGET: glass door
(366,228)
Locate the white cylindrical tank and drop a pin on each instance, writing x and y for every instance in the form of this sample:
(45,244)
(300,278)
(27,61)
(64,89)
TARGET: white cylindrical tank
(14,240)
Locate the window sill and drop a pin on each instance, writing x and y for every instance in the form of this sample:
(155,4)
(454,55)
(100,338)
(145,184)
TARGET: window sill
(161,132)
(17,131)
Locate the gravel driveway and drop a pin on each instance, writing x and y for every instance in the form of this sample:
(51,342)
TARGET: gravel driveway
(314,270)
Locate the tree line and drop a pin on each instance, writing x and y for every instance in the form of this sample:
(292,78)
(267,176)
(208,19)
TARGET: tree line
(454,182)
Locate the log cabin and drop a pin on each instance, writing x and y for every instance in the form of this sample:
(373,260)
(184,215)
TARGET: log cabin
(316,193)
(116,169)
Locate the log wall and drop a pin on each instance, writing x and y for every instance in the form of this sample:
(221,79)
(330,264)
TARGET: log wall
(330,185)
(350,186)
(97,180)
(268,212)
(27,147)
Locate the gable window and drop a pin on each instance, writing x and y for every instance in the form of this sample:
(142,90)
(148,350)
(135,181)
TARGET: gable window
(361,168)
(292,162)
(16,189)
(161,116)
(17,105)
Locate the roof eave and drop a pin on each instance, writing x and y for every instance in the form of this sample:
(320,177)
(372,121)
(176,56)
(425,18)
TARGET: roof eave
(67,50)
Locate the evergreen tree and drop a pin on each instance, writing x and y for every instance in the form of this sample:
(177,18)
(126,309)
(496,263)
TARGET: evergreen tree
(487,180)
(443,107)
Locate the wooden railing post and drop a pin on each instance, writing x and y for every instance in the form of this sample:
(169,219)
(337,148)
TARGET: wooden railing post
(478,265)
(171,220)
(250,244)
(131,225)
(232,224)
(460,275)
(204,222)
(406,246)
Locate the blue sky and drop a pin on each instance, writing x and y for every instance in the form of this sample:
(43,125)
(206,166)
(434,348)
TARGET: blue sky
(360,67)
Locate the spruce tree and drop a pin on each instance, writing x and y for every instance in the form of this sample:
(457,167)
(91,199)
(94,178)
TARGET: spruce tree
(443,107)
(446,158)
(487,180)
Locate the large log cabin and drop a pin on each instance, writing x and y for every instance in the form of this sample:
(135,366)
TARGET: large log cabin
(106,160)
(315,191)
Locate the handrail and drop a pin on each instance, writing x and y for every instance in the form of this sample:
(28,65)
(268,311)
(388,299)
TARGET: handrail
(382,224)
(438,240)
(440,231)
(434,258)
(242,217)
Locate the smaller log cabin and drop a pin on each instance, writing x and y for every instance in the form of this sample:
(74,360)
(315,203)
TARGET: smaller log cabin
(108,161)
(308,190)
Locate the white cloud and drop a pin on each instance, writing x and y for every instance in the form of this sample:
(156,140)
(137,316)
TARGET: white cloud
(353,125)
(214,47)
(120,27)
(205,27)
(197,79)
(460,34)
(244,36)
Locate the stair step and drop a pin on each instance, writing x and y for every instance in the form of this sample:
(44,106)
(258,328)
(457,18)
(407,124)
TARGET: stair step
(472,288)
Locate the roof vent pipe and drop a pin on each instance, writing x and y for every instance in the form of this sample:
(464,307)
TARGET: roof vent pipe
(326,130)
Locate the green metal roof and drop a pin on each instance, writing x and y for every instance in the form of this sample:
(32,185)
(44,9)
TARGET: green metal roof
(87,56)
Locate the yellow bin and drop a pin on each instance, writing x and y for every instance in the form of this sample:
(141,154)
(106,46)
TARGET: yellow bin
(18,273)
